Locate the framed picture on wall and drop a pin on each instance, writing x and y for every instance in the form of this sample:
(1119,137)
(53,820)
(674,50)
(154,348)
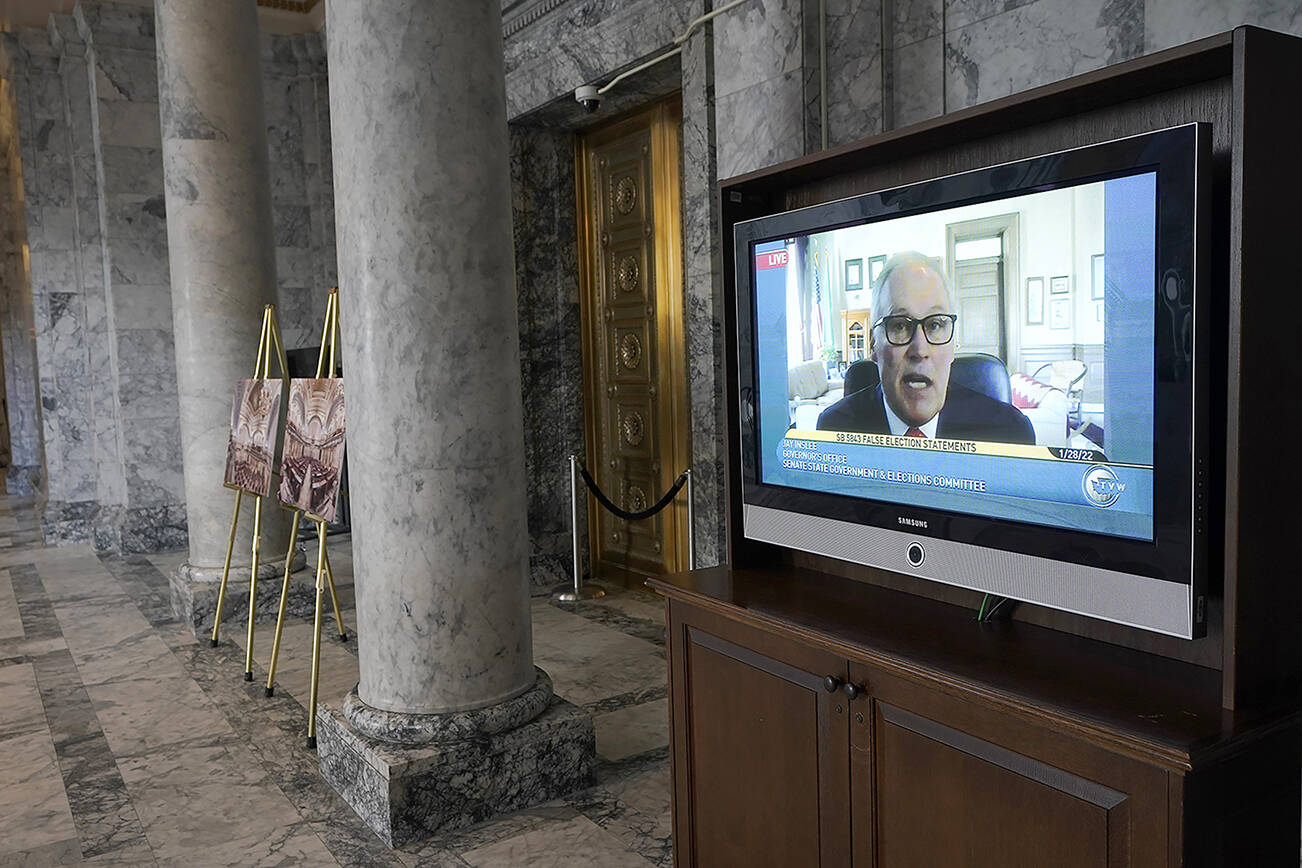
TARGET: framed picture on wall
(1098,312)
(1035,301)
(1060,285)
(1060,313)
(875,266)
(853,275)
(1096,276)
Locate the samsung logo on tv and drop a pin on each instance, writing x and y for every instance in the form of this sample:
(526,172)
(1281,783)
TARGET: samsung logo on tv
(912,522)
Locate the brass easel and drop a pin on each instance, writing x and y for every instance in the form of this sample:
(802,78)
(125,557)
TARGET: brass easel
(324,575)
(330,336)
(261,370)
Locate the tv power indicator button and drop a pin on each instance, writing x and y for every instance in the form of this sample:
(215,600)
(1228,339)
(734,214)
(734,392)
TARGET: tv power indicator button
(915,554)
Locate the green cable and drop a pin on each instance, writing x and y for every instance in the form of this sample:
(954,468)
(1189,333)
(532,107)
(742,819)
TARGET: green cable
(981,615)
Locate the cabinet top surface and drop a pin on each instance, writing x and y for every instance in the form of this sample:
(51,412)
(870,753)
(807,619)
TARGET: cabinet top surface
(1169,708)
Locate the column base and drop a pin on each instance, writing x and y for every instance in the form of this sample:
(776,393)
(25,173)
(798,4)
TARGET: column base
(23,480)
(406,793)
(195,589)
(127,530)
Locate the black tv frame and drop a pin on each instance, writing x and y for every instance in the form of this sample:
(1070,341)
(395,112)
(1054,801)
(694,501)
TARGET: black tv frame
(1181,158)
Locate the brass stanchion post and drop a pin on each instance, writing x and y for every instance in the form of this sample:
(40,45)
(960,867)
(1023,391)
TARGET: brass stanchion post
(691,524)
(579,591)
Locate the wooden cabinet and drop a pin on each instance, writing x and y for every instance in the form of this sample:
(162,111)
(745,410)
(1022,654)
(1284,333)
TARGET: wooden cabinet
(1009,794)
(957,744)
(776,791)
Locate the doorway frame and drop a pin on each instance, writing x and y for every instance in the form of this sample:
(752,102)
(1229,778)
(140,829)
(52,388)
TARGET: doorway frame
(1008,227)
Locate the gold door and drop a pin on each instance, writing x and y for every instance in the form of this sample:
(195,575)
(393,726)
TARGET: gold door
(634,356)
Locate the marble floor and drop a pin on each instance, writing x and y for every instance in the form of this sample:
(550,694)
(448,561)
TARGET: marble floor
(126,742)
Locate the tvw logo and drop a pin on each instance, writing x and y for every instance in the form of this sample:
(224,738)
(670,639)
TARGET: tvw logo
(1101,486)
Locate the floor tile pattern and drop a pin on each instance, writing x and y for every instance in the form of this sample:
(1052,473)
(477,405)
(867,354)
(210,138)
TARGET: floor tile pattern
(126,742)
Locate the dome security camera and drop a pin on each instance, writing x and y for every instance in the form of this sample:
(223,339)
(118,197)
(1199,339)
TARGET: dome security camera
(588,97)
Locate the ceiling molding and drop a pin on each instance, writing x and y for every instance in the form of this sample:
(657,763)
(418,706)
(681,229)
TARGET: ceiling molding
(530,13)
(276,16)
(300,6)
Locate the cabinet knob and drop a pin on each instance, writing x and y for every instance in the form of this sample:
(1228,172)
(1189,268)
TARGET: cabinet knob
(852,690)
(831,683)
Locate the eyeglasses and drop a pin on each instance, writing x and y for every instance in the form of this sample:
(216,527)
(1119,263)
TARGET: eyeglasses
(899,329)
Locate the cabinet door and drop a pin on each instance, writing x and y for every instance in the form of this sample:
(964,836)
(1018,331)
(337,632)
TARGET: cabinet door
(942,781)
(761,770)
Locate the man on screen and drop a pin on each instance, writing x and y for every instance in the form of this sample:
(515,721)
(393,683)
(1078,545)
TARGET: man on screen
(912,342)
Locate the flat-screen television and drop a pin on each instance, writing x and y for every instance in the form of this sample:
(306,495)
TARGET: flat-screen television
(995,379)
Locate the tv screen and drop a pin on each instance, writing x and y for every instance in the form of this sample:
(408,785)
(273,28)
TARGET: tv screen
(988,379)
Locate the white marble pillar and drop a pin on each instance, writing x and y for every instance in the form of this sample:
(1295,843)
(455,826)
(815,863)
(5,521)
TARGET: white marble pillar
(221,249)
(427,293)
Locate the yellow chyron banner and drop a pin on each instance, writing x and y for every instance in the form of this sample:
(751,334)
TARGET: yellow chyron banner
(796,439)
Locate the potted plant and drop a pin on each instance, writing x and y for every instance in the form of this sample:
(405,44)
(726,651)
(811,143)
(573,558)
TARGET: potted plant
(831,356)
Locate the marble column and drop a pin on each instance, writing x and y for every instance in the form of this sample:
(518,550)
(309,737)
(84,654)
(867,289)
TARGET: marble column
(221,250)
(435,439)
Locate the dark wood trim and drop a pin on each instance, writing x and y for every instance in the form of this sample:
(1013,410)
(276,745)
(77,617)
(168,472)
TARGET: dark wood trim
(863,784)
(1263,599)
(1066,782)
(680,780)
(835,847)
(1119,821)
(1175,818)
(799,677)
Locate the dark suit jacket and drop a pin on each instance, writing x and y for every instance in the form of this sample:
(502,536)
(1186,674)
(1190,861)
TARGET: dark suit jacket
(967,415)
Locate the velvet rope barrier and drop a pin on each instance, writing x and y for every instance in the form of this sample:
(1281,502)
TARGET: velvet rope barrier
(624,514)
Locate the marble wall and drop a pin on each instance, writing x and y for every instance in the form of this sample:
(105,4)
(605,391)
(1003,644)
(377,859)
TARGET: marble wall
(854,69)
(58,302)
(95,218)
(703,286)
(759,86)
(951,54)
(112,94)
(551,362)
(297,103)
(17,328)
(582,41)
